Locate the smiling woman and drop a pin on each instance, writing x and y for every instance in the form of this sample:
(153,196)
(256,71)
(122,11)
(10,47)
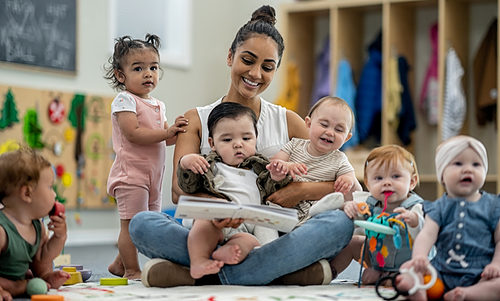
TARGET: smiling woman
(253,57)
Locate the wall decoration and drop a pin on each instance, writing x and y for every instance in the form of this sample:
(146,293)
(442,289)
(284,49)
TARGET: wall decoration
(9,111)
(56,111)
(58,141)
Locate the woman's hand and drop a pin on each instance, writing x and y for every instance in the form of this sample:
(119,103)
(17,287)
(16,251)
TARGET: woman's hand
(227,223)
(288,196)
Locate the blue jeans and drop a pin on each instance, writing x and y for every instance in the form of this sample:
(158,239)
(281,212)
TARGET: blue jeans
(158,235)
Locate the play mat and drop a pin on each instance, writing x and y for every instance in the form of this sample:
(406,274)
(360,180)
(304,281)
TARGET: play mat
(136,291)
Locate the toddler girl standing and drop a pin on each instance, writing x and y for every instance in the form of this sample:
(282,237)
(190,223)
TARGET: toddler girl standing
(463,224)
(139,131)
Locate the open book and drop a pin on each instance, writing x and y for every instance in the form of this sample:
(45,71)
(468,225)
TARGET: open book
(281,219)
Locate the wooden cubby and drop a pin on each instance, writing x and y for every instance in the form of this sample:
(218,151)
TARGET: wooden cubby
(405,24)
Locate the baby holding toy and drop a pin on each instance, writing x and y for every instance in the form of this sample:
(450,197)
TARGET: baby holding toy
(463,224)
(26,193)
(390,174)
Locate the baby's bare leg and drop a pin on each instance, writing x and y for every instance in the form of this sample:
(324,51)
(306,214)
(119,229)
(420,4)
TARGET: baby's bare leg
(236,249)
(348,254)
(14,288)
(44,270)
(483,290)
(202,241)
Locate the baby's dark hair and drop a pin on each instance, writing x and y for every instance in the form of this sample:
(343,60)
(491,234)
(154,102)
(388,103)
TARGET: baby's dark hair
(20,167)
(262,22)
(123,46)
(231,110)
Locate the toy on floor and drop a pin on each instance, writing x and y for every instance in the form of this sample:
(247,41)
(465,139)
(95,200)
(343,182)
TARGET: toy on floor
(113,281)
(36,286)
(86,273)
(433,285)
(47,298)
(76,276)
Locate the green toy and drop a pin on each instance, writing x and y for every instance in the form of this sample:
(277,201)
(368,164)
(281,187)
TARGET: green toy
(36,286)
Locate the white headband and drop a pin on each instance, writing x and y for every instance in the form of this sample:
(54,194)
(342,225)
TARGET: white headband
(452,147)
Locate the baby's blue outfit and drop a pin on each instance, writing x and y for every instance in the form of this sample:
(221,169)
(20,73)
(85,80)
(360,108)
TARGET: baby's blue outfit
(465,243)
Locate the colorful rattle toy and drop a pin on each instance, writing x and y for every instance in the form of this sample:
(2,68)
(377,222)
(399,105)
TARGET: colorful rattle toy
(434,286)
(377,228)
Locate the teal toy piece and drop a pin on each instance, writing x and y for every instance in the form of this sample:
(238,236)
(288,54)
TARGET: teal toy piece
(375,227)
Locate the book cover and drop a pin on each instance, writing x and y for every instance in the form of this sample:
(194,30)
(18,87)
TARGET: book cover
(281,219)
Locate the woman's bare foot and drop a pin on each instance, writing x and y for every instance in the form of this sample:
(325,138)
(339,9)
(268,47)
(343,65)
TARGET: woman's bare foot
(456,294)
(205,267)
(56,278)
(116,267)
(229,254)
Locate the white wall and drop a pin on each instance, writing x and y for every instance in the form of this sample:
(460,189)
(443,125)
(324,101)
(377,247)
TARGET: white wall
(215,23)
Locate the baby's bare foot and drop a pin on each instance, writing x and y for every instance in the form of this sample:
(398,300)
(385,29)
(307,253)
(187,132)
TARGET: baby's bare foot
(56,278)
(116,268)
(370,276)
(229,254)
(132,275)
(205,267)
(456,294)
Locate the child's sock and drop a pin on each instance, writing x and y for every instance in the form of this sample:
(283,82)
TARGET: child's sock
(330,201)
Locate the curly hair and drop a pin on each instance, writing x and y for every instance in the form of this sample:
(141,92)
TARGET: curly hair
(19,168)
(123,46)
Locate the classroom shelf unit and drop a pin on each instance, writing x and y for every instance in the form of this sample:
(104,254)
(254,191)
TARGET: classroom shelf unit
(352,24)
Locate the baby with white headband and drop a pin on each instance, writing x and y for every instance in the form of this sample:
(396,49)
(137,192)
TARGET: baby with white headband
(463,224)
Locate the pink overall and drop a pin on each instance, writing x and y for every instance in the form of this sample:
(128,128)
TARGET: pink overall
(136,176)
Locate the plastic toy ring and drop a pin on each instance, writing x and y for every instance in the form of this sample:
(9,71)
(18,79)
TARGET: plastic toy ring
(397,221)
(364,209)
(418,285)
(416,279)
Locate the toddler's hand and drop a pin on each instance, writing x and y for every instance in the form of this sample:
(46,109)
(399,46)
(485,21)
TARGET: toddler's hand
(177,126)
(343,184)
(277,168)
(297,169)
(351,209)
(195,162)
(420,264)
(411,218)
(58,225)
(491,271)
(227,223)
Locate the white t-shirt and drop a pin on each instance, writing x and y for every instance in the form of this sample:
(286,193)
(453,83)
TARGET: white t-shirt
(124,102)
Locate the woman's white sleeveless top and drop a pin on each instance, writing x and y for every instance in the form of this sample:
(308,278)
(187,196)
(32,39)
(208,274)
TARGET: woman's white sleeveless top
(272,128)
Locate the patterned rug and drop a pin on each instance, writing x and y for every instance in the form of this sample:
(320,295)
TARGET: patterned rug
(136,291)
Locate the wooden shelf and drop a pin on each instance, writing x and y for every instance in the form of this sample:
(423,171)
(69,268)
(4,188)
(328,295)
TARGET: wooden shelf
(405,24)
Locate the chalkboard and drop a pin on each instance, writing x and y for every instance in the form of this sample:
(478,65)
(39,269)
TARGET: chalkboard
(39,33)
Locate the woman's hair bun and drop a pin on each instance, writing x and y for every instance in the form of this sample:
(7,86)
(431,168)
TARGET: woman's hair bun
(265,13)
